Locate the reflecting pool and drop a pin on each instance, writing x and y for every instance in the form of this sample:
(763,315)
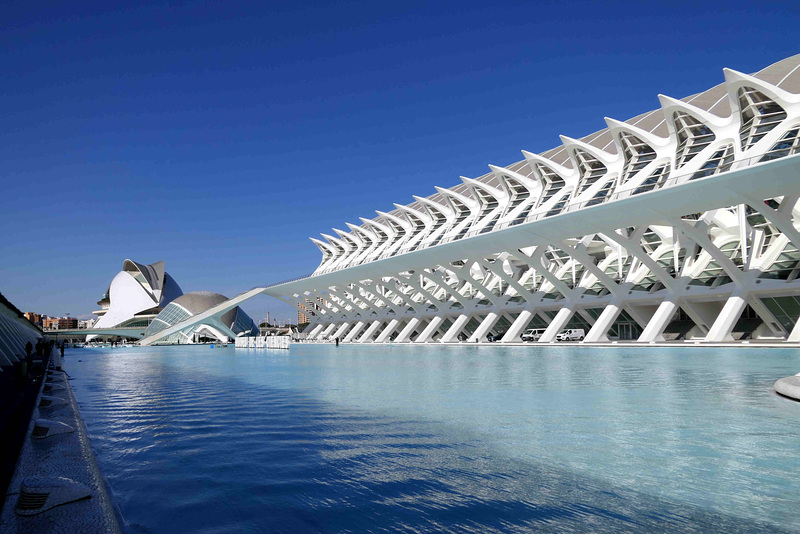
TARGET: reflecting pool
(454,439)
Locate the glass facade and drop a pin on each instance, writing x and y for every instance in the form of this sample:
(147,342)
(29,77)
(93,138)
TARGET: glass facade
(172,314)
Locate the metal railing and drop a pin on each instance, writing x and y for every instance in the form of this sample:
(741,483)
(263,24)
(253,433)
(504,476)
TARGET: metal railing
(548,210)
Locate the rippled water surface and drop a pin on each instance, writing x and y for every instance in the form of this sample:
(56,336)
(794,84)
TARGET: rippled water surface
(454,439)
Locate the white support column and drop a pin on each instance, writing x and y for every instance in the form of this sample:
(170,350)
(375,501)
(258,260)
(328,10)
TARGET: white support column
(425,293)
(517,326)
(369,331)
(497,269)
(464,274)
(559,321)
(340,330)
(600,328)
(354,332)
(406,332)
(781,218)
(314,331)
(795,335)
(641,314)
(431,329)
(325,333)
(437,278)
(722,327)
(770,321)
(479,334)
(654,331)
(388,331)
(702,313)
(452,333)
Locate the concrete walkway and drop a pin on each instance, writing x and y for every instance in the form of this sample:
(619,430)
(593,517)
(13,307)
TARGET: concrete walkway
(47,458)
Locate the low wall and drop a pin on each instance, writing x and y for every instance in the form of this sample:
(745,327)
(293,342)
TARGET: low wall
(50,456)
(268,342)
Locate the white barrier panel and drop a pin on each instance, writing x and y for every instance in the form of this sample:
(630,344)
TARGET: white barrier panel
(268,342)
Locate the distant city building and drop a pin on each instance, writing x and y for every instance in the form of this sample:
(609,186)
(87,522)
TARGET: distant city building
(87,323)
(65,323)
(59,323)
(136,295)
(35,318)
(228,326)
(309,309)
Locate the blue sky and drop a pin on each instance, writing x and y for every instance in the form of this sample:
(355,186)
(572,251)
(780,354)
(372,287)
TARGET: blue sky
(218,137)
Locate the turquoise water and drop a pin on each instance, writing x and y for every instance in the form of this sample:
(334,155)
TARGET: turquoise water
(432,439)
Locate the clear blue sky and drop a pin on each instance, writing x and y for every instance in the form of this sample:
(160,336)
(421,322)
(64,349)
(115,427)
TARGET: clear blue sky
(218,137)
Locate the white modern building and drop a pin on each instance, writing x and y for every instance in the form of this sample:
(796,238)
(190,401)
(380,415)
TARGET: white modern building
(221,328)
(136,295)
(678,224)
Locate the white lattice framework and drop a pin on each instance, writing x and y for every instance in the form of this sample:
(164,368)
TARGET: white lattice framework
(680,223)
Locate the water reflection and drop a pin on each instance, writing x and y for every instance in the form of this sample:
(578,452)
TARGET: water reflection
(455,438)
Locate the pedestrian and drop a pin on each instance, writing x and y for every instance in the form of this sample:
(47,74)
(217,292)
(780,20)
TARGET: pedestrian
(28,350)
(62,350)
(337,341)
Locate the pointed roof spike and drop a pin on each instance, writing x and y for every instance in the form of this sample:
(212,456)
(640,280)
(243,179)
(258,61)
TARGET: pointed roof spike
(732,76)
(501,173)
(320,243)
(565,173)
(373,222)
(605,157)
(355,228)
(567,140)
(466,200)
(667,103)
(402,222)
(431,203)
(500,170)
(651,139)
(781,96)
(334,240)
(497,193)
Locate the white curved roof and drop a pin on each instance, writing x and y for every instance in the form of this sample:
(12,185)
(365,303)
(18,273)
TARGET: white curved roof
(714,107)
(135,289)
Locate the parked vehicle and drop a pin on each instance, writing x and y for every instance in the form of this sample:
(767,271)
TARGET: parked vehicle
(571,334)
(533,334)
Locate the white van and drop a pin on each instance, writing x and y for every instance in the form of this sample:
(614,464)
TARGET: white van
(571,334)
(533,334)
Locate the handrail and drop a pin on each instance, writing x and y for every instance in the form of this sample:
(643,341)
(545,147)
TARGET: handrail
(546,211)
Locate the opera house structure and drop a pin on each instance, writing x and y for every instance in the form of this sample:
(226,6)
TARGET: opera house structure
(135,296)
(678,224)
(143,300)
